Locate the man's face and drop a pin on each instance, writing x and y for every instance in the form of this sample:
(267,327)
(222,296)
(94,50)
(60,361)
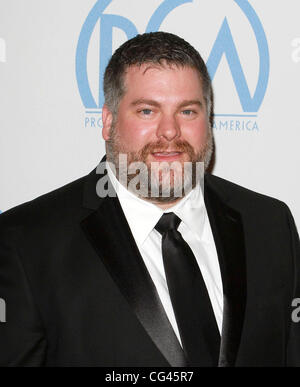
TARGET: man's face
(162,117)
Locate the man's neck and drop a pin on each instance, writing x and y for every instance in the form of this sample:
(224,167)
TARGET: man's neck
(163,205)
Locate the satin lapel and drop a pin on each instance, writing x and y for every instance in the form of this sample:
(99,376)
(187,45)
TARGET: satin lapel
(228,234)
(108,231)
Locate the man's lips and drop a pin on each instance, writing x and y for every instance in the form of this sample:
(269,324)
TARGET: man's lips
(172,153)
(167,155)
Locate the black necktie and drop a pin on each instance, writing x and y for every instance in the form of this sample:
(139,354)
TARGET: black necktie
(192,307)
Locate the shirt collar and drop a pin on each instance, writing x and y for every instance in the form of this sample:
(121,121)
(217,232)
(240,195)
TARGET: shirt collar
(142,216)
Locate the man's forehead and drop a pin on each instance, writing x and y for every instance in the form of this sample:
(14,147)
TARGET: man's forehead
(149,68)
(148,82)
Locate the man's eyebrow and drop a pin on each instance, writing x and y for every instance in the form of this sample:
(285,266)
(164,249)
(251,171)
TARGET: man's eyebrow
(191,102)
(145,102)
(155,103)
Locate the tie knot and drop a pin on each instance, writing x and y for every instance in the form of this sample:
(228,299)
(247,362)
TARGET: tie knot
(168,221)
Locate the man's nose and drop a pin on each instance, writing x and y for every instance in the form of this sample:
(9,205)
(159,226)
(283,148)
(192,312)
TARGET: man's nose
(168,127)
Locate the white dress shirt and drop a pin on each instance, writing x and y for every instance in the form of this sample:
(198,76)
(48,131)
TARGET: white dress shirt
(142,216)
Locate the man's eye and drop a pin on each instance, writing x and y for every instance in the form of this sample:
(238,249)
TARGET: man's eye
(146,112)
(187,112)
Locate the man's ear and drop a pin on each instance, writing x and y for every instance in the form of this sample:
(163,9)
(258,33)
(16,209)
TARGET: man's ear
(107,119)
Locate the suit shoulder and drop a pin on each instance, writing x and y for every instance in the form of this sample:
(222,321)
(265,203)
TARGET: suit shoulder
(240,195)
(61,202)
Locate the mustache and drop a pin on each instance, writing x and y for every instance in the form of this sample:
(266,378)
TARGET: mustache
(181,146)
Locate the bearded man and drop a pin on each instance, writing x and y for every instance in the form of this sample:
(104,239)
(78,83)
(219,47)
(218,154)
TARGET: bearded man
(150,260)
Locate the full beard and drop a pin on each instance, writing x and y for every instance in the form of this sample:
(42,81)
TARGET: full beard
(159,182)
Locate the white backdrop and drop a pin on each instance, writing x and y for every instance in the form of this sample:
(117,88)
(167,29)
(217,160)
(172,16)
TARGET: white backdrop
(52,54)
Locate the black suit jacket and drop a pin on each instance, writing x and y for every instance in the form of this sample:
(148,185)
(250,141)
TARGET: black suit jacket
(78,293)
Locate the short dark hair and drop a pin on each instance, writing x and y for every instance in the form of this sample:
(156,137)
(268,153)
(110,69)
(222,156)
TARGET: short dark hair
(157,48)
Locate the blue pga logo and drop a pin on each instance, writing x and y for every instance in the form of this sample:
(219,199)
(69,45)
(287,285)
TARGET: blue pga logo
(223,46)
